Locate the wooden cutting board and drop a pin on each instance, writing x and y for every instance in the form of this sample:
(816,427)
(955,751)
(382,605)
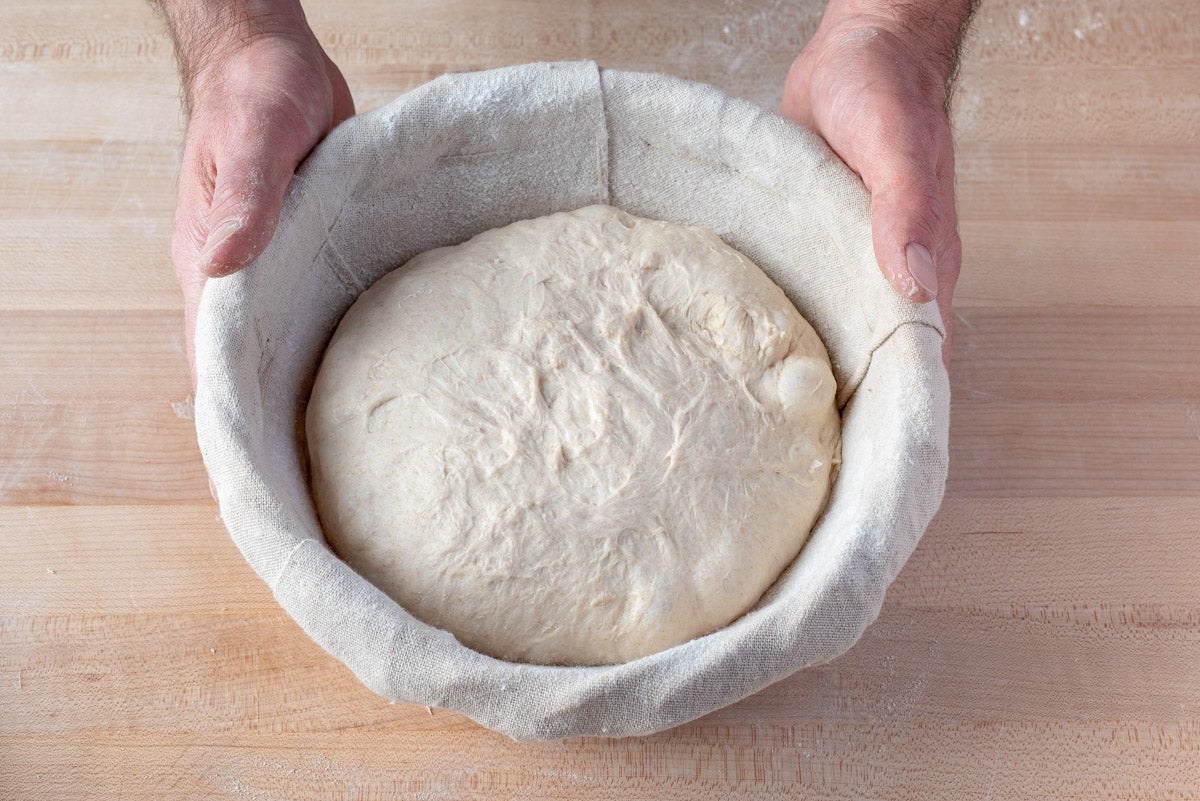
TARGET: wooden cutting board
(1043,642)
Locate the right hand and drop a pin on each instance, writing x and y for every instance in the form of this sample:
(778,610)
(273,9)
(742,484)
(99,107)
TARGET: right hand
(259,104)
(874,86)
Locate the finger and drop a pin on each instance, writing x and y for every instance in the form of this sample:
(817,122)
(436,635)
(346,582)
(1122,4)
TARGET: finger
(796,104)
(950,262)
(191,212)
(192,284)
(949,258)
(945,300)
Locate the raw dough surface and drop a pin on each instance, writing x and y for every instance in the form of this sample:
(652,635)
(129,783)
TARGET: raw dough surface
(578,439)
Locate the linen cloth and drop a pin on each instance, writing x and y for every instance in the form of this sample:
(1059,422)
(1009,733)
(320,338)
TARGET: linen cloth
(469,152)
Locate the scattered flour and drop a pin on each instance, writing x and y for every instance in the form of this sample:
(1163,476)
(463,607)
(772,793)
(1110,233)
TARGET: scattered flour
(184,409)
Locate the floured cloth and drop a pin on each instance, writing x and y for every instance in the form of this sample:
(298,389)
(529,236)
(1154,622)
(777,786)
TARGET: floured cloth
(470,152)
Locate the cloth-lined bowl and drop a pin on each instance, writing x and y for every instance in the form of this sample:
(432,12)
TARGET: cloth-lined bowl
(469,152)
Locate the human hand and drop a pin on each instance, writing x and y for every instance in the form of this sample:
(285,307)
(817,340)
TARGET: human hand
(874,85)
(260,98)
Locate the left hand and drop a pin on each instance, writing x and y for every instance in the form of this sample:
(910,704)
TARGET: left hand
(871,87)
(261,96)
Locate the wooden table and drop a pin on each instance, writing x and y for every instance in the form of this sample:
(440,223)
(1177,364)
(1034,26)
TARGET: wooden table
(1043,642)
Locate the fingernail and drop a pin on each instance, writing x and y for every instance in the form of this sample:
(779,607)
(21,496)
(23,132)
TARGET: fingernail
(920,267)
(217,237)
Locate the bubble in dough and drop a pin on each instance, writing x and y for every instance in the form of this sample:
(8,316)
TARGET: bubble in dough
(578,439)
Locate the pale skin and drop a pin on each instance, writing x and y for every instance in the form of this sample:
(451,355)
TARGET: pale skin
(261,93)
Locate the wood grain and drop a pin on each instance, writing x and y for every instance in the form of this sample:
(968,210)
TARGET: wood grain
(1043,641)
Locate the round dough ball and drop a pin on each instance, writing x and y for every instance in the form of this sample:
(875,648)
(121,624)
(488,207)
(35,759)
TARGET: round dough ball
(579,439)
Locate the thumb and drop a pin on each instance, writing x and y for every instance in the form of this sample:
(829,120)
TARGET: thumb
(907,221)
(248,187)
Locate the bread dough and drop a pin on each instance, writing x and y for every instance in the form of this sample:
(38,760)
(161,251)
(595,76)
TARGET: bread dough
(578,439)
